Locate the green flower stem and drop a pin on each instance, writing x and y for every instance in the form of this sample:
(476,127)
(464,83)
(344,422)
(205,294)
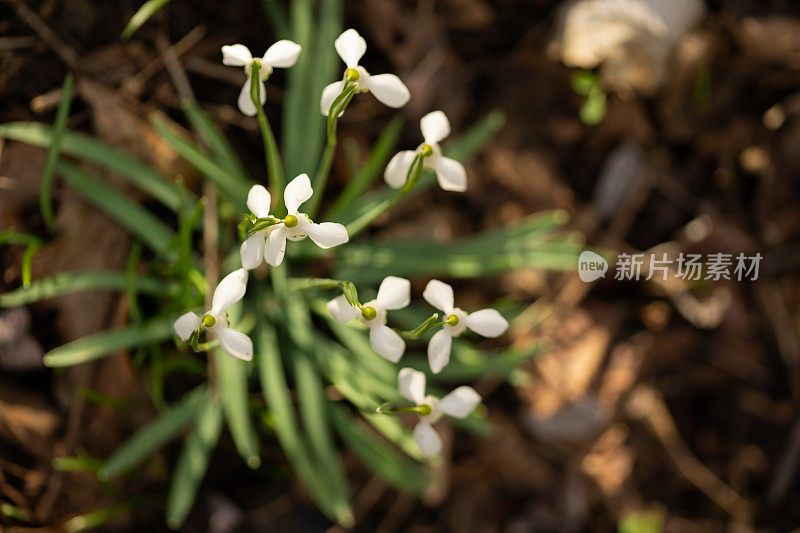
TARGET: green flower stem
(323,171)
(359,224)
(300,284)
(62,114)
(423,410)
(273,156)
(420,330)
(263,223)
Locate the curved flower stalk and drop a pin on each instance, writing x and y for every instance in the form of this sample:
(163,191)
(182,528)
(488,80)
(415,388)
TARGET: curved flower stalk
(393,293)
(269,238)
(458,404)
(234,343)
(486,322)
(387,88)
(282,54)
(450,174)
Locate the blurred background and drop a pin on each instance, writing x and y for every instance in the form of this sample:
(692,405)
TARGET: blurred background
(660,126)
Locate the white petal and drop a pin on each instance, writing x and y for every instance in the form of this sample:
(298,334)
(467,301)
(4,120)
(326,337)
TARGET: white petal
(350,47)
(282,54)
(327,234)
(387,342)
(329,94)
(459,403)
(246,104)
(434,126)
(394,293)
(276,246)
(236,55)
(252,250)
(427,439)
(439,295)
(258,201)
(439,350)
(487,322)
(397,170)
(186,324)
(341,309)
(451,174)
(388,89)
(411,385)
(235,343)
(230,290)
(298,191)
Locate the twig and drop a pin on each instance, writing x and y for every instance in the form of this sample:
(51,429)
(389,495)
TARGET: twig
(186,43)
(646,404)
(787,467)
(174,68)
(67,53)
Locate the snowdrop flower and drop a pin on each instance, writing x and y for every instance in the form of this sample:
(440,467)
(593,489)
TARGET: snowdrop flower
(450,173)
(270,243)
(229,291)
(387,88)
(486,322)
(459,404)
(394,293)
(282,54)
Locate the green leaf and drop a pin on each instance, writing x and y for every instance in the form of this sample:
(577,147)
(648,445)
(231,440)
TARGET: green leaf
(193,461)
(387,464)
(303,125)
(52,153)
(12,511)
(313,407)
(78,463)
(529,243)
(97,518)
(138,19)
(232,186)
(140,222)
(276,16)
(70,282)
(101,344)
(370,171)
(276,394)
(234,395)
(215,140)
(89,149)
(583,81)
(163,428)
(593,109)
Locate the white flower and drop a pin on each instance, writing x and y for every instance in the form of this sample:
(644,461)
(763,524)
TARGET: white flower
(450,173)
(387,88)
(282,54)
(229,291)
(394,293)
(459,404)
(486,322)
(270,243)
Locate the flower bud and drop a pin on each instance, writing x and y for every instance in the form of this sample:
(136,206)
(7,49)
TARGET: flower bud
(351,74)
(369,313)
